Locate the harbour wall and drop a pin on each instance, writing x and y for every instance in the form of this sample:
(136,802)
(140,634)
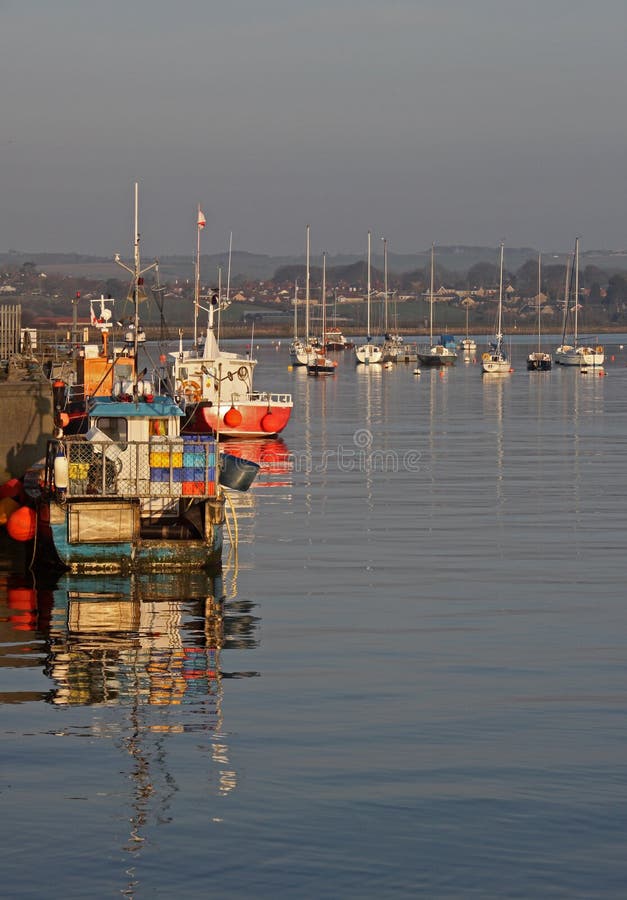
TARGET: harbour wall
(25,427)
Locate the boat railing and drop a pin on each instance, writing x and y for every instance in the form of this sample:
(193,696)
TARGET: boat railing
(184,467)
(263,396)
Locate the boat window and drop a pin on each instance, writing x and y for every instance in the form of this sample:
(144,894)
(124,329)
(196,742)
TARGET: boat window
(183,374)
(114,428)
(158,427)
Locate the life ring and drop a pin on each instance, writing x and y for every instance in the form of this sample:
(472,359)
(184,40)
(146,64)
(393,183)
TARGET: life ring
(485,356)
(599,349)
(191,390)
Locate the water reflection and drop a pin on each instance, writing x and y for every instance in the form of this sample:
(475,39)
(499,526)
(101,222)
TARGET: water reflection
(146,651)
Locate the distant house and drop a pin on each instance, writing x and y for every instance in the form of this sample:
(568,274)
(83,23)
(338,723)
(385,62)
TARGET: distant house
(7,289)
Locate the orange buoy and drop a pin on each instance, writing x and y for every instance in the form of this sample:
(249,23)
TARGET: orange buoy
(270,423)
(7,507)
(22,598)
(232,417)
(22,525)
(64,420)
(11,488)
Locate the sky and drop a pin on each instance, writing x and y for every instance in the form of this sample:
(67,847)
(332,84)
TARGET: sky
(454,121)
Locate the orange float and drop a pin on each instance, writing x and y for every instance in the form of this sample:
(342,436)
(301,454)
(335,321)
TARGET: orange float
(270,423)
(233,417)
(22,525)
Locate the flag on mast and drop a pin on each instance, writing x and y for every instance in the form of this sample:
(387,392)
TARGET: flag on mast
(201,219)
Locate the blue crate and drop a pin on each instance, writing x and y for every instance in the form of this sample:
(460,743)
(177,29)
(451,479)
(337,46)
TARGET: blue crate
(157,473)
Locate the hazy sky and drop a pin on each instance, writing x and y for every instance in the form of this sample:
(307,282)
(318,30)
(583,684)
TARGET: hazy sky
(455,121)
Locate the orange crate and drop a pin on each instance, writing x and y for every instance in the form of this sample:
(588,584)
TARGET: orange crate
(194,488)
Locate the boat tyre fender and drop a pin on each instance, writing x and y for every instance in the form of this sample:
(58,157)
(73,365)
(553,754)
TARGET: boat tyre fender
(191,391)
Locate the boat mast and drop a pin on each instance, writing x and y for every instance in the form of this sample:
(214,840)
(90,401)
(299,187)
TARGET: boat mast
(431,296)
(576,288)
(368,290)
(296,309)
(499,334)
(385,284)
(324,301)
(199,228)
(137,272)
(307,290)
(539,286)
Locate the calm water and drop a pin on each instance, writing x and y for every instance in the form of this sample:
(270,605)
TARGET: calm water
(415,685)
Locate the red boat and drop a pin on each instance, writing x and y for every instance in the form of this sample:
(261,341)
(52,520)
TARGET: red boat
(216,391)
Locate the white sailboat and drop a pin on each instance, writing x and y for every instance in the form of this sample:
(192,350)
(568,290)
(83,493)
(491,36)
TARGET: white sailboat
(302,353)
(435,354)
(368,353)
(538,360)
(576,354)
(468,345)
(496,362)
(392,349)
(322,365)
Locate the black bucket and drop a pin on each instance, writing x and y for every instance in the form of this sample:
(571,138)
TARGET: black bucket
(237,473)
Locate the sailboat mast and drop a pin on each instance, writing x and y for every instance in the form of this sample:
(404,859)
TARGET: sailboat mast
(431,296)
(307,290)
(499,334)
(295,308)
(539,287)
(576,288)
(324,301)
(368,290)
(385,284)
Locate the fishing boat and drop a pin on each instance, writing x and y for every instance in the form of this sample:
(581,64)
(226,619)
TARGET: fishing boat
(495,362)
(538,360)
(368,353)
(435,354)
(321,364)
(303,352)
(576,354)
(132,494)
(215,388)
(93,368)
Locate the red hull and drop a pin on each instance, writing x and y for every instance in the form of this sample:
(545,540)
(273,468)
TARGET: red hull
(257,420)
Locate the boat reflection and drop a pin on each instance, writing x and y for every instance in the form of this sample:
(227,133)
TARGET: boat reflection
(273,455)
(143,640)
(147,640)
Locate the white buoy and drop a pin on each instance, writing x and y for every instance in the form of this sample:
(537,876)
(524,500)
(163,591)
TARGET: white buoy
(417,372)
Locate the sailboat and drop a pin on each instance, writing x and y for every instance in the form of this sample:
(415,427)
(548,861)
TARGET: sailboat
(575,354)
(392,348)
(368,353)
(215,388)
(435,354)
(304,352)
(321,364)
(538,360)
(496,362)
(468,345)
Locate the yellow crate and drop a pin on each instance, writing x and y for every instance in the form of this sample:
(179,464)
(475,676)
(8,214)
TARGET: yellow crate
(78,471)
(161,459)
